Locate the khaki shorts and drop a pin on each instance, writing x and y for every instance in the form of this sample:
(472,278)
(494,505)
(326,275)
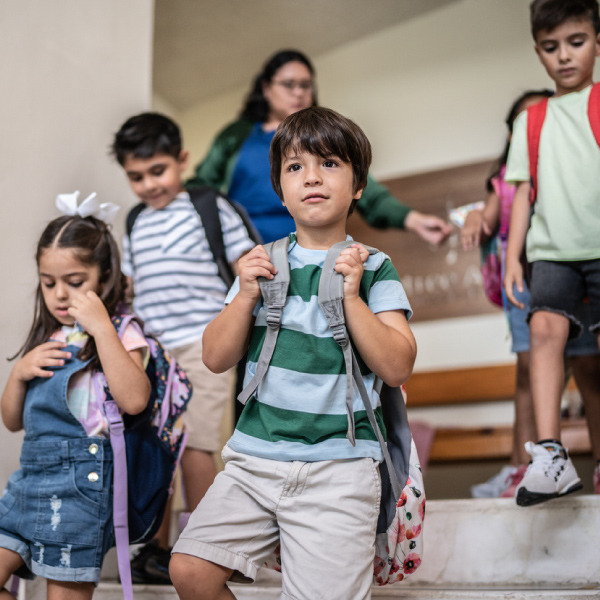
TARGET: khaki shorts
(323,514)
(212,393)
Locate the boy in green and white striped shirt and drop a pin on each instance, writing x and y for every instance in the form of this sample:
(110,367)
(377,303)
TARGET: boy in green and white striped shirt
(292,477)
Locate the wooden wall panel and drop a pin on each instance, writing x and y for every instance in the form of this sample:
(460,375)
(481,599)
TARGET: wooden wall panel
(440,282)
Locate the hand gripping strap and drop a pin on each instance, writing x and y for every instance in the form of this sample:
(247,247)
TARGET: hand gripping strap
(331,294)
(274,294)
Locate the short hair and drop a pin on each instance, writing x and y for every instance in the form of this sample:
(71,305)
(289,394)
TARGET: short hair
(321,131)
(546,15)
(146,135)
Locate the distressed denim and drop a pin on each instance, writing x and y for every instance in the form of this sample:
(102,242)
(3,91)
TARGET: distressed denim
(56,511)
(560,287)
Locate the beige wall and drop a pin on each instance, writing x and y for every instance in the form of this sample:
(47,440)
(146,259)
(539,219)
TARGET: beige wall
(71,71)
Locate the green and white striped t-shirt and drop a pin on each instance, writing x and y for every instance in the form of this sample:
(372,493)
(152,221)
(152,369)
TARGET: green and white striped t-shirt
(299,410)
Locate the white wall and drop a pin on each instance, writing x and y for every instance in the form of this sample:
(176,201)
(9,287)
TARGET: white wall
(71,72)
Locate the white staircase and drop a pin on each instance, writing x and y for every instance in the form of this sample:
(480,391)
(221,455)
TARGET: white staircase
(474,549)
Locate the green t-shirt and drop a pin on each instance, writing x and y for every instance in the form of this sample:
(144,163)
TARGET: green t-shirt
(565,224)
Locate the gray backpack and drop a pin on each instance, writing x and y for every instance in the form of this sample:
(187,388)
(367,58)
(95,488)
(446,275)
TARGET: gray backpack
(399,540)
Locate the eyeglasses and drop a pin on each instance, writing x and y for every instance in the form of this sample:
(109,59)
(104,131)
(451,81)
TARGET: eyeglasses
(306,85)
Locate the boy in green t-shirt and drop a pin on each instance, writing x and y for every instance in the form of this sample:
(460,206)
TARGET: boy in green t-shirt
(563,245)
(293,479)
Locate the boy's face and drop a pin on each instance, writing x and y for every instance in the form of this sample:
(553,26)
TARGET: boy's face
(568,53)
(156,180)
(317,191)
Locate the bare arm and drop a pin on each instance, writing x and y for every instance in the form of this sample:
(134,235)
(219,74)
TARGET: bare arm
(33,364)
(481,223)
(124,371)
(519,224)
(383,340)
(227,336)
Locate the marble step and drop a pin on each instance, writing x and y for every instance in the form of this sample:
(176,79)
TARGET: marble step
(494,543)
(112,591)
(488,549)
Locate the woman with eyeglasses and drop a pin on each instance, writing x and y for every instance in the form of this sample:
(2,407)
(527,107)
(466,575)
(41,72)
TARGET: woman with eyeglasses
(238,161)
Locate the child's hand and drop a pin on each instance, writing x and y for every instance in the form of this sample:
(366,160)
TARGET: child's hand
(251,266)
(89,311)
(474,227)
(513,277)
(350,264)
(36,362)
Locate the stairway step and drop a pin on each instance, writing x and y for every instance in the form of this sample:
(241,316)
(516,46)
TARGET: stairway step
(493,542)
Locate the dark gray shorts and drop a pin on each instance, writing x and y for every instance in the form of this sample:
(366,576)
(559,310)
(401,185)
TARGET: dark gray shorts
(560,287)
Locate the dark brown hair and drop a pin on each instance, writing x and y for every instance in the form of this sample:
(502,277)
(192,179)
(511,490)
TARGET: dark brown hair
(549,14)
(93,244)
(324,132)
(256,107)
(146,135)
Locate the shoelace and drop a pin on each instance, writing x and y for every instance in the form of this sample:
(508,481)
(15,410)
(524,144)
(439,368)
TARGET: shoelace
(550,464)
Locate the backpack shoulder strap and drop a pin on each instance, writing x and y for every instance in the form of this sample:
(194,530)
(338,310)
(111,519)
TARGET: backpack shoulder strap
(132,215)
(330,296)
(594,111)
(274,294)
(536,115)
(204,201)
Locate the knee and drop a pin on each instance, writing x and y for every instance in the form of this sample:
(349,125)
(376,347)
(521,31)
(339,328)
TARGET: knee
(195,578)
(547,328)
(180,570)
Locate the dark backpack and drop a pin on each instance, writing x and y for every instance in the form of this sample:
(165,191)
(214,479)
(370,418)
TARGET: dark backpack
(204,201)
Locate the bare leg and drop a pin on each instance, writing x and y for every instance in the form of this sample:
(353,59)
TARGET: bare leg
(586,370)
(9,562)
(198,579)
(548,334)
(162,535)
(524,428)
(199,471)
(69,590)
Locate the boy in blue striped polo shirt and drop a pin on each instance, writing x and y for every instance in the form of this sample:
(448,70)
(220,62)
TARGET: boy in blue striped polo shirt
(292,478)
(177,291)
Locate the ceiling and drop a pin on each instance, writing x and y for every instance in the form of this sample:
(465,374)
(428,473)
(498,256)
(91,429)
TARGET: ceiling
(206,47)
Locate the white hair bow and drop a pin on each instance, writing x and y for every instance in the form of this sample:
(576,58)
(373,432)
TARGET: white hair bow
(90,207)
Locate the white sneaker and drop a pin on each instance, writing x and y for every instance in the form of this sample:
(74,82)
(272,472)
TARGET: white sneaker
(493,487)
(550,474)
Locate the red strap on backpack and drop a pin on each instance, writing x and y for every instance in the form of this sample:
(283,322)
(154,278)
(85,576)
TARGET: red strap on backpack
(594,111)
(535,119)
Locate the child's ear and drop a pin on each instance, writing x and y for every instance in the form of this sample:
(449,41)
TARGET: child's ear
(183,159)
(358,193)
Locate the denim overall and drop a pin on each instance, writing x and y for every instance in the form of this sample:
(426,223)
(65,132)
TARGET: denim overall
(56,511)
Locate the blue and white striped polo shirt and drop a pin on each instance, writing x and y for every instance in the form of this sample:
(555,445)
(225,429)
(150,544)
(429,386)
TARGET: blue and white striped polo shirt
(177,287)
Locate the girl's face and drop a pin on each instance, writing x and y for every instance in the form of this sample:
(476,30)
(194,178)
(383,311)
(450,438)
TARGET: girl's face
(63,277)
(290,90)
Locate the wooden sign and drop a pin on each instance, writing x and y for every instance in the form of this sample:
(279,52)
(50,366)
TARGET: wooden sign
(441,282)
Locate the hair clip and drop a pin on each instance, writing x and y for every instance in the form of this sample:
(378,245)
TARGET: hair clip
(90,207)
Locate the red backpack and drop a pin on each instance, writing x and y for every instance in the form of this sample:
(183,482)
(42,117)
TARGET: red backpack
(535,120)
